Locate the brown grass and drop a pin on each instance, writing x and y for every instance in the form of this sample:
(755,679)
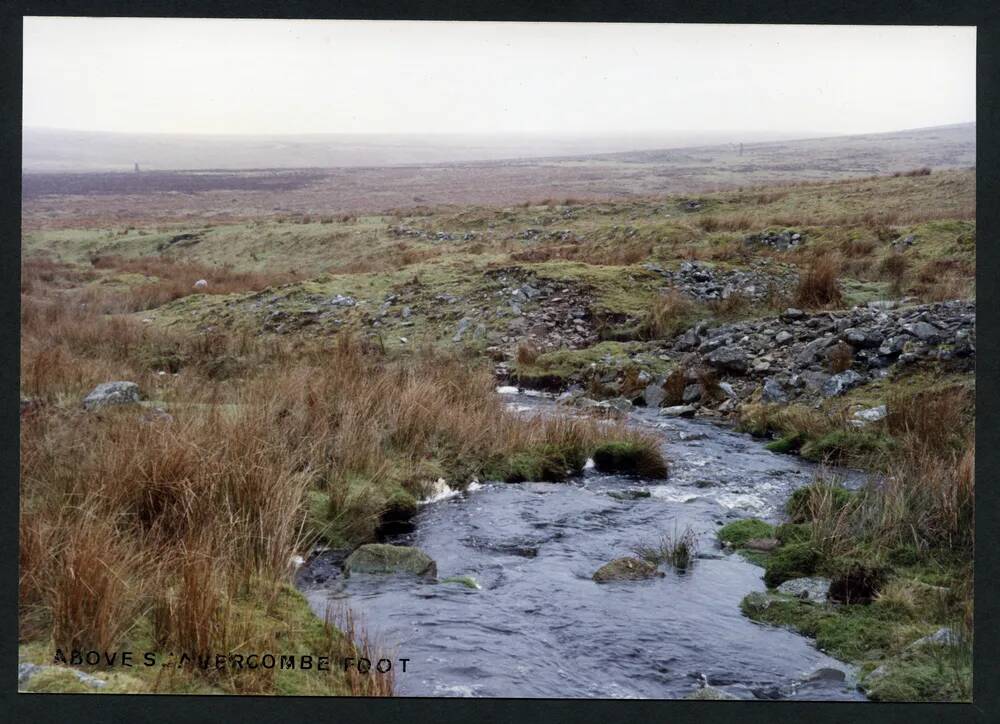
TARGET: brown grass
(840,357)
(670,314)
(819,286)
(527,353)
(181,528)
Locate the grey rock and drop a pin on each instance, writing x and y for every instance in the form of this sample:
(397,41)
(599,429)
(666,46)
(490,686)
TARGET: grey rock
(26,672)
(730,359)
(678,411)
(811,590)
(341,300)
(869,415)
(728,390)
(923,331)
(463,325)
(784,336)
(942,637)
(841,383)
(814,380)
(692,393)
(792,314)
(112,393)
(774,391)
(653,395)
(688,340)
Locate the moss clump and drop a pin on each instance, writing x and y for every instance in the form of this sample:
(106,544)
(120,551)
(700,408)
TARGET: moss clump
(805,503)
(739,532)
(401,505)
(790,561)
(788,533)
(545,463)
(631,458)
(849,445)
(786,445)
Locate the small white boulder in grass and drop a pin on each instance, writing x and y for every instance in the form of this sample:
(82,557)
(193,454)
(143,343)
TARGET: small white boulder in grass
(506,390)
(201,284)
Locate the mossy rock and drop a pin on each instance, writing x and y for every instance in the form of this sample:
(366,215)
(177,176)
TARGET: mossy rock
(798,560)
(630,458)
(626,569)
(786,445)
(386,558)
(739,532)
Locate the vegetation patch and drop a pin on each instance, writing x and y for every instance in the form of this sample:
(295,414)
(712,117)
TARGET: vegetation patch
(641,458)
(739,532)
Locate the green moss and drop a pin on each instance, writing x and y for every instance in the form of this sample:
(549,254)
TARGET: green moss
(631,458)
(788,533)
(925,673)
(786,445)
(739,532)
(797,560)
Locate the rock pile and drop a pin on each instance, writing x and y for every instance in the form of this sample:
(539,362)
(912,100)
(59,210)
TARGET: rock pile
(789,356)
(780,240)
(703,283)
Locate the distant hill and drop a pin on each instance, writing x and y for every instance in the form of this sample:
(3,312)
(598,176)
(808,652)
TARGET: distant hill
(49,150)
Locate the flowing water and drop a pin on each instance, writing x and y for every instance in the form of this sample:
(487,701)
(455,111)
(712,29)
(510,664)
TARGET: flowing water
(540,627)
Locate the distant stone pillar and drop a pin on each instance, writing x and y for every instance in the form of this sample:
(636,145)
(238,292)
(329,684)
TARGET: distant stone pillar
(137,167)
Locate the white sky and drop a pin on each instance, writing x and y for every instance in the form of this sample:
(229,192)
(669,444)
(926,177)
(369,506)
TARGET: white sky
(325,76)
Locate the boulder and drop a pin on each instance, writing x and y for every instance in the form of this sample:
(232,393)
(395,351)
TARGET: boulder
(463,325)
(386,558)
(869,415)
(201,284)
(773,391)
(626,569)
(923,331)
(112,393)
(729,359)
(341,300)
(678,411)
(784,336)
(692,393)
(811,590)
(841,383)
(653,395)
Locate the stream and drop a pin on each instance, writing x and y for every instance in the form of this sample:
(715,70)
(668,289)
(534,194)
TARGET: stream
(538,626)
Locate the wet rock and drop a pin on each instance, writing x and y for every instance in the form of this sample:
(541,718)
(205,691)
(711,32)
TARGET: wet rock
(710,693)
(386,558)
(692,393)
(626,569)
(678,411)
(783,336)
(826,675)
(811,590)
(841,383)
(201,284)
(791,314)
(112,393)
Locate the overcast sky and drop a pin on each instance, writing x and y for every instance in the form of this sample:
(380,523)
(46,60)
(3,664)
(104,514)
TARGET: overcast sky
(315,76)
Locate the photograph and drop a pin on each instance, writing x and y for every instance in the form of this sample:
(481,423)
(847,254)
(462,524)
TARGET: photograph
(507,360)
